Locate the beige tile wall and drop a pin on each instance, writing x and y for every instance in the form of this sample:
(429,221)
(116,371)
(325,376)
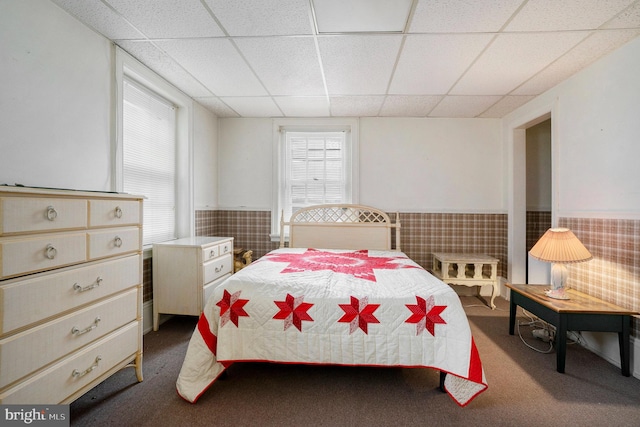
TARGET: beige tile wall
(614,272)
(421,233)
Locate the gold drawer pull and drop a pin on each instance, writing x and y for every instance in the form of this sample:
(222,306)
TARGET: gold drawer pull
(219,269)
(52,214)
(76,331)
(95,284)
(50,252)
(79,374)
(117,241)
(118,212)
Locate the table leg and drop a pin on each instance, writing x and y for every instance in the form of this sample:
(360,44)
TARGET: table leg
(512,314)
(623,340)
(561,341)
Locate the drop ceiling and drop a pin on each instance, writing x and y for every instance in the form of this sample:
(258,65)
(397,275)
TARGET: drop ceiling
(363,58)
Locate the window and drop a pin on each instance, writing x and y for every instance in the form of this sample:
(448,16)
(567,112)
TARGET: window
(315,165)
(149,158)
(152,149)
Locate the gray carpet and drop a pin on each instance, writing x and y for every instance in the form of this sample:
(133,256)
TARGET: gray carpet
(524,389)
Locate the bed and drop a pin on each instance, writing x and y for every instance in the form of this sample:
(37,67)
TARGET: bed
(342,293)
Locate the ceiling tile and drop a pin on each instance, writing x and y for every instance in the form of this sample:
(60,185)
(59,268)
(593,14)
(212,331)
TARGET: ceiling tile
(303,106)
(282,72)
(154,58)
(463,106)
(216,64)
(545,15)
(628,18)
(506,105)
(263,17)
(356,106)
(358,65)
(216,106)
(593,47)
(253,106)
(449,56)
(408,106)
(168,18)
(512,59)
(353,16)
(101,18)
(462,16)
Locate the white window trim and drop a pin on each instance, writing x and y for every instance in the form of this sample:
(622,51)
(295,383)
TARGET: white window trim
(126,65)
(313,125)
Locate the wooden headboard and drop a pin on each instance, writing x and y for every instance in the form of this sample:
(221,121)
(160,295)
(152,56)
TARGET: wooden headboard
(341,226)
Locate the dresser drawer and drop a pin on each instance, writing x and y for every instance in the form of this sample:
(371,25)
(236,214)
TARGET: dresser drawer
(113,213)
(26,301)
(41,252)
(217,267)
(61,380)
(26,214)
(28,351)
(113,241)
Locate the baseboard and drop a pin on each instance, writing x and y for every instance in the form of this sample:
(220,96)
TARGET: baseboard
(147,317)
(605,345)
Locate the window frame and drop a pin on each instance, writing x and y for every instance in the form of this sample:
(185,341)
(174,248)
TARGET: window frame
(280,126)
(126,65)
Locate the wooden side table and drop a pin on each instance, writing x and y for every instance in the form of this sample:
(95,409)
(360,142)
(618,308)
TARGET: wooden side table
(581,312)
(468,270)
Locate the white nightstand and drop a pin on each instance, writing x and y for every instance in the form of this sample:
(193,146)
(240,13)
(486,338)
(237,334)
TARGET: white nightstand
(185,272)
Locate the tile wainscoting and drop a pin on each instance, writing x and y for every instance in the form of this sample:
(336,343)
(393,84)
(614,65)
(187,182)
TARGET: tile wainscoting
(613,274)
(421,233)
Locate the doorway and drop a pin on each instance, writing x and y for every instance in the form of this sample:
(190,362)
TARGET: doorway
(538,196)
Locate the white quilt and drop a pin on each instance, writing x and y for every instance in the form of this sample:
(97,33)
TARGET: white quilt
(374,308)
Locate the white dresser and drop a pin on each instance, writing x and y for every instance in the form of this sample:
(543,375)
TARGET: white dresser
(70,292)
(185,272)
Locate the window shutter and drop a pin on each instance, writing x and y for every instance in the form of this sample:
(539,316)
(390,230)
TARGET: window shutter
(149,158)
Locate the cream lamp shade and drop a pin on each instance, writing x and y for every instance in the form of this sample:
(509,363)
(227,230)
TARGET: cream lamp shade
(559,246)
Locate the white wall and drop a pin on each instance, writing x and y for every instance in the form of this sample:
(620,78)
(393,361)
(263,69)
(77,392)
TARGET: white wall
(406,164)
(595,132)
(205,147)
(55,107)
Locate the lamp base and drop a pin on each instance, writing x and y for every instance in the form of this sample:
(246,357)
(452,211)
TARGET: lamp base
(557,293)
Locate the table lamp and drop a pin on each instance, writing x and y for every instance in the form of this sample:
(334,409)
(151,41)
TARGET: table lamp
(559,246)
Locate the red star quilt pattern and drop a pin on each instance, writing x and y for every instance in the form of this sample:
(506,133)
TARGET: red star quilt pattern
(357,263)
(231,307)
(293,310)
(425,314)
(359,314)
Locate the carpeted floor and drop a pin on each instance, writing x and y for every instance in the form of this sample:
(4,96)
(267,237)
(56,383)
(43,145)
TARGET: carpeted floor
(524,388)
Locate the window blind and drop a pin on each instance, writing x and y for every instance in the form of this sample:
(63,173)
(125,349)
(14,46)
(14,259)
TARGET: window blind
(316,170)
(149,158)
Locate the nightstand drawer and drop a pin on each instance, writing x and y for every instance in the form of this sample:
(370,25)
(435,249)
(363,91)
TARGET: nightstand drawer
(218,267)
(27,214)
(42,252)
(26,352)
(210,252)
